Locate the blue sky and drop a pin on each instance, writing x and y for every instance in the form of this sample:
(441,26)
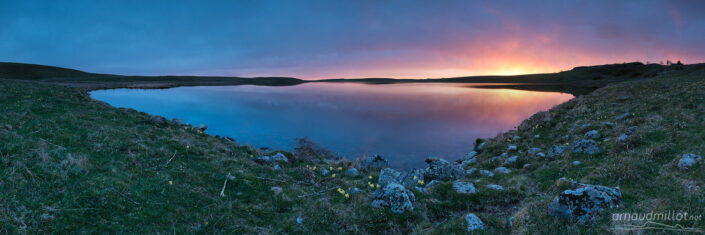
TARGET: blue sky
(330,39)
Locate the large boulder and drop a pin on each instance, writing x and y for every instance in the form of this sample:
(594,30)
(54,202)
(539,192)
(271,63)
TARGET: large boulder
(593,134)
(394,196)
(585,202)
(585,146)
(688,160)
(474,222)
(373,162)
(442,170)
(408,179)
(387,176)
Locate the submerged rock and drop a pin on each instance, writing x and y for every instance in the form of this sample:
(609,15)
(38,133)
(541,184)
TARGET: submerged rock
(474,222)
(585,202)
(394,196)
(442,170)
(557,150)
(688,160)
(464,187)
(585,146)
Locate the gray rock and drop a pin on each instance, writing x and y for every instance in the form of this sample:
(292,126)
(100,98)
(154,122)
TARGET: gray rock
(394,196)
(464,187)
(631,130)
(537,136)
(512,148)
(299,220)
(470,171)
(432,183)
(527,165)
(420,189)
(480,147)
(575,163)
(510,160)
(534,151)
(325,172)
(263,159)
(495,186)
(277,167)
(353,172)
(623,138)
(585,202)
(502,170)
(279,157)
(623,116)
(467,162)
(688,160)
(276,190)
(541,155)
(410,178)
(486,173)
(201,127)
(374,162)
(387,176)
(157,120)
(504,155)
(593,134)
(471,155)
(607,124)
(585,146)
(442,170)
(474,223)
(557,150)
(515,138)
(355,190)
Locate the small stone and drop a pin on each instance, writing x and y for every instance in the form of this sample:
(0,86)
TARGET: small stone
(158,120)
(474,223)
(688,160)
(575,163)
(557,150)
(464,187)
(353,172)
(534,151)
(480,147)
(541,154)
(279,157)
(355,190)
(470,171)
(631,130)
(623,116)
(527,165)
(502,170)
(510,160)
(276,190)
(511,148)
(325,172)
(515,138)
(277,167)
(495,187)
(623,138)
(299,220)
(504,155)
(432,183)
(486,173)
(593,134)
(607,124)
(471,155)
(537,136)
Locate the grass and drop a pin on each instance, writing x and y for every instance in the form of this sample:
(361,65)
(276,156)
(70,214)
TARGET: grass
(72,164)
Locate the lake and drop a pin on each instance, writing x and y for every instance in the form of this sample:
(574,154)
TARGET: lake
(405,123)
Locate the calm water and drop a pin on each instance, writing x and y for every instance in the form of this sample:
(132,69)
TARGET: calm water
(405,123)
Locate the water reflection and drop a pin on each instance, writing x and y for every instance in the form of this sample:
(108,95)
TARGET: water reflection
(403,122)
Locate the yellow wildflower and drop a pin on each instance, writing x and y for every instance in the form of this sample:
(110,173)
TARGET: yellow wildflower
(347,195)
(333,175)
(372,186)
(170,183)
(378,186)
(369,177)
(340,168)
(414,177)
(187,147)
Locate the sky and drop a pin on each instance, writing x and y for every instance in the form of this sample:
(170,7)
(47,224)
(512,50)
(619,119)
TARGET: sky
(348,38)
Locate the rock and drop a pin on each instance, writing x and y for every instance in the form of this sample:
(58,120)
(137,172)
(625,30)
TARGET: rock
(299,220)
(557,150)
(467,162)
(511,148)
(623,116)
(279,157)
(623,98)
(607,124)
(541,155)
(502,170)
(201,127)
(534,151)
(480,147)
(263,160)
(471,155)
(470,171)
(623,138)
(325,172)
(504,155)
(277,167)
(593,134)
(442,170)
(527,165)
(432,183)
(474,222)
(276,190)
(353,172)
(510,160)
(585,202)
(631,130)
(495,187)
(486,173)
(387,176)
(537,136)
(420,189)
(374,162)
(231,140)
(395,196)
(464,187)
(585,146)
(411,178)
(355,190)
(515,138)
(158,120)
(575,163)
(688,160)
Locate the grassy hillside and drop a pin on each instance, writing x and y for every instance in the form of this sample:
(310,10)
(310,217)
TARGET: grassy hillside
(72,164)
